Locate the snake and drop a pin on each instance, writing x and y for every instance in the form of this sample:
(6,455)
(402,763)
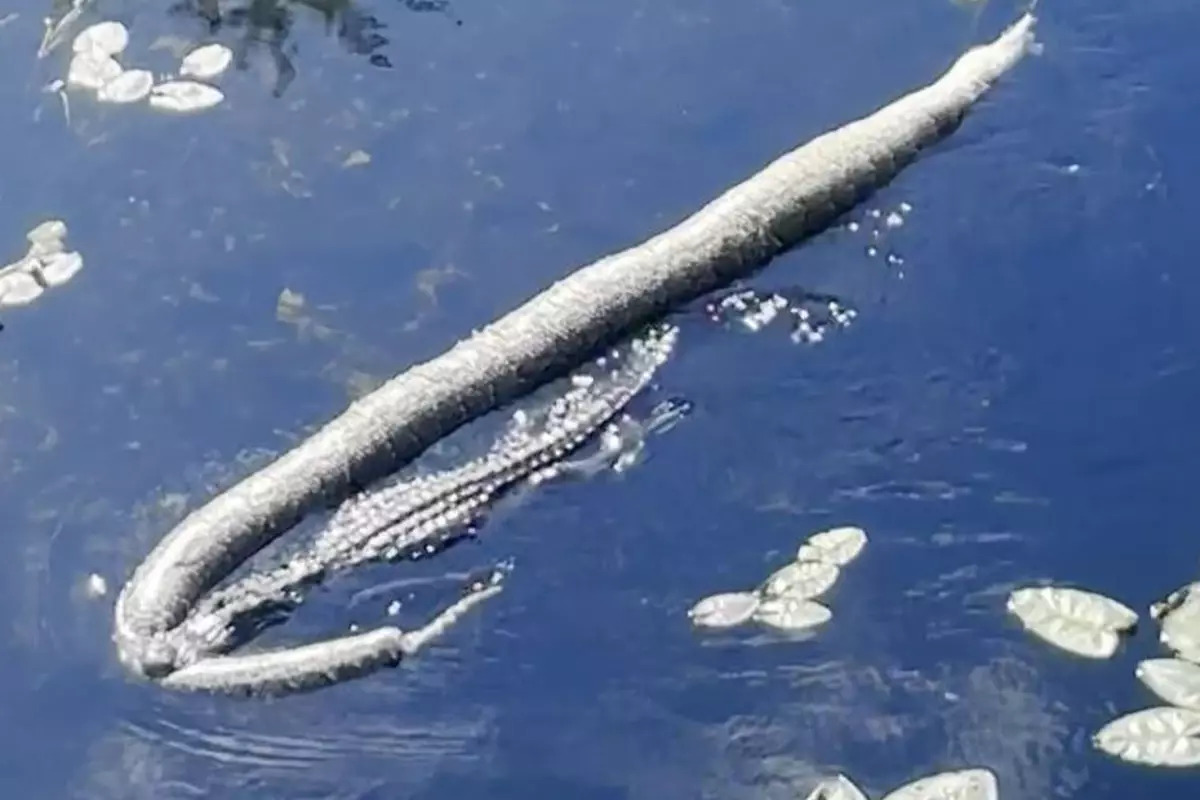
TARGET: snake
(798,195)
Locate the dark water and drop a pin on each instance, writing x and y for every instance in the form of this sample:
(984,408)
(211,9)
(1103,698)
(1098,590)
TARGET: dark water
(1014,402)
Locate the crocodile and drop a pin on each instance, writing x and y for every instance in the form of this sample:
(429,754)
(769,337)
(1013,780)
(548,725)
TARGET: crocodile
(413,517)
(794,197)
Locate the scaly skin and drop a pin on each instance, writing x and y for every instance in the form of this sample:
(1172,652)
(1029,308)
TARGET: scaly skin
(792,198)
(395,520)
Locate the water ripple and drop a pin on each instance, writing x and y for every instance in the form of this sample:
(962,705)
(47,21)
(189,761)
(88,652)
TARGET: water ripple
(372,738)
(230,752)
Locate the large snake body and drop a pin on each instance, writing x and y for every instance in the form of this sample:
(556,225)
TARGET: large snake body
(796,196)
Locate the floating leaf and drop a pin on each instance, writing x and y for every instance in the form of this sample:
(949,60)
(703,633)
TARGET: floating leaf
(1173,601)
(1180,620)
(837,788)
(1164,736)
(128,87)
(964,784)
(49,247)
(724,610)
(206,62)
(184,96)
(90,70)
(18,288)
(102,39)
(801,580)
(837,546)
(1175,681)
(59,268)
(357,159)
(1085,607)
(1081,622)
(46,237)
(1074,637)
(790,614)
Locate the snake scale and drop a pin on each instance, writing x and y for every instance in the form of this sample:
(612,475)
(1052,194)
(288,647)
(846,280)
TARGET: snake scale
(794,197)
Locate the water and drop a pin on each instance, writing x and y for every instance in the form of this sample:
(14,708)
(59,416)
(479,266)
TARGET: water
(1013,402)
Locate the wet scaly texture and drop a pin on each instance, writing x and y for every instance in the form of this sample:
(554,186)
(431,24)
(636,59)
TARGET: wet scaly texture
(796,196)
(420,515)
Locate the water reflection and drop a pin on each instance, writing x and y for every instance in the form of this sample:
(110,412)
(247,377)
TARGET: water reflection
(267,25)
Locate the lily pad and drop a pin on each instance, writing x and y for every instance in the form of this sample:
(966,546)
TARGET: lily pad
(184,96)
(128,87)
(790,614)
(1175,681)
(47,236)
(18,288)
(801,580)
(1080,622)
(1174,600)
(1164,736)
(206,62)
(724,610)
(102,39)
(837,546)
(837,788)
(1074,637)
(1088,608)
(89,70)
(1180,622)
(964,784)
(59,268)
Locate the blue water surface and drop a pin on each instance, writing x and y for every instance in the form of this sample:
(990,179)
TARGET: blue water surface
(1013,403)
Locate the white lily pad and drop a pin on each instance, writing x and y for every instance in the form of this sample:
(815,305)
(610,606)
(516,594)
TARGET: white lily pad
(1074,637)
(103,39)
(1087,608)
(1164,736)
(724,610)
(18,288)
(1181,626)
(90,70)
(48,235)
(837,788)
(963,784)
(58,268)
(184,96)
(837,546)
(1080,622)
(801,580)
(1174,600)
(49,247)
(791,614)
(1175,681)
(206,62)
(129,87)
(1185,645)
